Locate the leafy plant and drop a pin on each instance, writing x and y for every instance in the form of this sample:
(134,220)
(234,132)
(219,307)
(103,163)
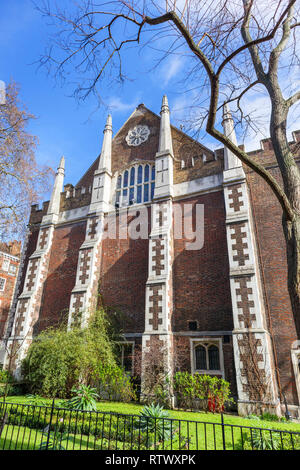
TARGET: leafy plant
(257,418)
(261,439)
(35,400)
(269,417)
(197,390)
(289,441)
(155,423)
(113,383)
(58,359)
(84,399)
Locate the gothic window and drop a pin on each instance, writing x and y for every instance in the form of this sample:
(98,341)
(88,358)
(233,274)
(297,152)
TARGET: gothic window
(126,356)
(2,283)
(136,186)
(207,356)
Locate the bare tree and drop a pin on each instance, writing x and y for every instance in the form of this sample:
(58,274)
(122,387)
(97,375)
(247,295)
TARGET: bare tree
(22,180)
(231,47)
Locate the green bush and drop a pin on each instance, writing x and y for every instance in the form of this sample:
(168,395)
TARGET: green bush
(5,376)
(58,359)
(8,384)
(270,417)
(112,383)
(201,391)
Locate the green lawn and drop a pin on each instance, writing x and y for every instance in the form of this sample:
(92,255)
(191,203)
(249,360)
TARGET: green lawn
(134,409)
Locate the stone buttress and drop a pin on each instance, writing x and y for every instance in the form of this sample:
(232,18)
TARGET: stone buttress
(85,293)
(157,337)
(29,302)
(253,355)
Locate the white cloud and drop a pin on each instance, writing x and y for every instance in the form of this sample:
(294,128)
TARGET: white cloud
(116,105)
(171,69)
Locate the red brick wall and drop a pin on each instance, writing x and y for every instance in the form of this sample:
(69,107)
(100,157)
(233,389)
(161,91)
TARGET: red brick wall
(61,278)
(6,295)
(201,277)
(271,246)
(124,273)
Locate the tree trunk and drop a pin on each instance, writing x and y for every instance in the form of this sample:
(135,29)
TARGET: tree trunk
(292,235)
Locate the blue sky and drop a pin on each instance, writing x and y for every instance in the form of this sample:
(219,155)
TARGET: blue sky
(66,127)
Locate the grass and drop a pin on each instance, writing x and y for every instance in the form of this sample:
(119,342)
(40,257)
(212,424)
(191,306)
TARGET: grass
(200,430)
(135,408)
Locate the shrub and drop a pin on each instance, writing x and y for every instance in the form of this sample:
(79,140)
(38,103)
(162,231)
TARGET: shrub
(58,359)
(84,399)
(5,377)
(8,385)
(204,391)
(269,417)
(155,423)
(113,383)
(260,439)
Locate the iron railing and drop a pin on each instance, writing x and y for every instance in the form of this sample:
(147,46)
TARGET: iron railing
(33,427)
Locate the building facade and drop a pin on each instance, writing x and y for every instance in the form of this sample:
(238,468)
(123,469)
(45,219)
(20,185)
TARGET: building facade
(186,243)
(9,266)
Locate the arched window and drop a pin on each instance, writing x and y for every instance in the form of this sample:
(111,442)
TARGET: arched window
(136,185)
(213,357)
(207,356)
(200,355)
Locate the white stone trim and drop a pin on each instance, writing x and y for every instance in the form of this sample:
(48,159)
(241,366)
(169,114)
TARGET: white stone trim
(295,353)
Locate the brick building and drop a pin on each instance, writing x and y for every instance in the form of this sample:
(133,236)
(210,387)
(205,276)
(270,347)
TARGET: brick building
(9,265)
(186,242)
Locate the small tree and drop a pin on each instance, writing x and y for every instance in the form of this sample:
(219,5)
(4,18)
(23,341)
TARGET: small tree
(22,180)
(58,359)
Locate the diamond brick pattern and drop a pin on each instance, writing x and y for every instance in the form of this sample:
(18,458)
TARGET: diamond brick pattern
(234,195)
(33,264)
(239,243)
(155,297)
(85,265)
(245,304)
(158,256)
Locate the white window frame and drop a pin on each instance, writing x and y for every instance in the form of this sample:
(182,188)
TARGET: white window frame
(295,361)
(124,202)
(3,288)
(5,264)
(213,341)
(121,343)
(15,267)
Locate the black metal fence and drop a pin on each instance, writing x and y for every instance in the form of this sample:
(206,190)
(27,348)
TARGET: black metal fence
(34,427)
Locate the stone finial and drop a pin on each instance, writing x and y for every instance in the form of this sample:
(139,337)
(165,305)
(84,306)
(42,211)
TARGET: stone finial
(54,204)
(230,160)
(62,163)
(105,157)
(165,136)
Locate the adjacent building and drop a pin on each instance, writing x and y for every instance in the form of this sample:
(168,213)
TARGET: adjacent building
(9,265)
